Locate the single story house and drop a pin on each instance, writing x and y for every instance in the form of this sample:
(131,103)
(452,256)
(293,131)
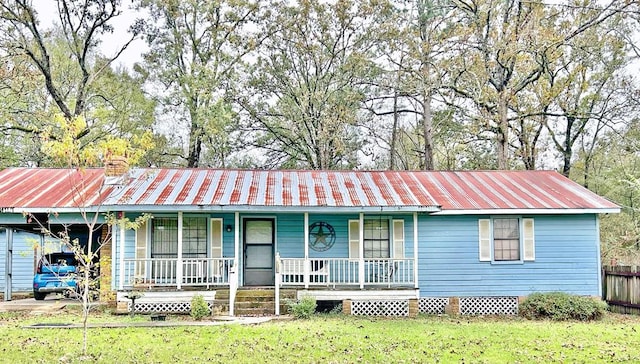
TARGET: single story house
(381,242)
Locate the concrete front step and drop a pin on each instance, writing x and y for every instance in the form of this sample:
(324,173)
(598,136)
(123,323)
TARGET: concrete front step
(260,302)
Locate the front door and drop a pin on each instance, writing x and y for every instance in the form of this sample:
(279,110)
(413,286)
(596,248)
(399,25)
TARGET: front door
(258,252)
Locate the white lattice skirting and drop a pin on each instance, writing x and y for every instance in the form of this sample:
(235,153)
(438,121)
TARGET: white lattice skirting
(380,308)
(165,307)
(432,305)
(489,305)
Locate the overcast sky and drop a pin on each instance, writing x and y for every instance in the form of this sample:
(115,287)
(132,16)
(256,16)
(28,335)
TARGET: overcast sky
(111,43)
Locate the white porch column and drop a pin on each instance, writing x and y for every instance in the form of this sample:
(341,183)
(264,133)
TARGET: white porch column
(415,249)
(236,244)
(361,251)
(179,263)
(234,274)
(277,281)
(122,236)
(307,264)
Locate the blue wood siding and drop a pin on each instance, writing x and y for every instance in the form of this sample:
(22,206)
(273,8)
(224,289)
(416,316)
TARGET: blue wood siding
(566,259)
(228,242)
(129,253)
(290,234)
(23,260)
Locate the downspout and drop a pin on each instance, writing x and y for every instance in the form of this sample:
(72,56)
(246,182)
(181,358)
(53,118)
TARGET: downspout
(179,266)
(415,251)
(361,251)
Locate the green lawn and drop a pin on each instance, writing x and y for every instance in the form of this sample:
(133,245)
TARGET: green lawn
(328,339)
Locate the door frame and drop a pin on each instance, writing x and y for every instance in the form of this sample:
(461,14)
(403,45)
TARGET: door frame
(243,245)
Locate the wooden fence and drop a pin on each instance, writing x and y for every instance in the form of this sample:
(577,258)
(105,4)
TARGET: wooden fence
(621,288)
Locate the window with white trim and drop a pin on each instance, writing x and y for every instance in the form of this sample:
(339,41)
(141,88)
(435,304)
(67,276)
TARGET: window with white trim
(506,239)
(164,237)
(378,239)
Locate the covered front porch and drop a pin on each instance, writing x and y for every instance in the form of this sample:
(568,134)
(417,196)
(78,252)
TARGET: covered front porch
(210,273)
(354,251)
(342,253)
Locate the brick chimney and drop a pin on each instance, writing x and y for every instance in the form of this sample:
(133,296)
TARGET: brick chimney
(116,166)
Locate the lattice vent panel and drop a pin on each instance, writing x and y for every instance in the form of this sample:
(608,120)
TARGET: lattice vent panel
(165,307)
(489,305)
(432,305)
(380,308)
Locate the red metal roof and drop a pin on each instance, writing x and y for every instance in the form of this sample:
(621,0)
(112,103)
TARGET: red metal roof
(510,190)
(45,188)
(450,192)
(212,187)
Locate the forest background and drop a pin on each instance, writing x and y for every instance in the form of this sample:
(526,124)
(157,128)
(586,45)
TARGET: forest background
(343,84)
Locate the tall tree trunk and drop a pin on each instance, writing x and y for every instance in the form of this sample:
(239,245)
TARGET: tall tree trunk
(427,125)
(502,137)
(567,153)
(195,145)
(394,133)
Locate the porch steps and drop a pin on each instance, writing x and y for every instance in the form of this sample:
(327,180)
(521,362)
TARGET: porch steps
(260,301)
(221,303)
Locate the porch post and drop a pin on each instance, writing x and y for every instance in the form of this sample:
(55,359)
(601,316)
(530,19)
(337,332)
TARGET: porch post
(307,265)
(179,262)
(122,236)
(415,249)
(8,283)
(277,287)
(234,278)
(361,251)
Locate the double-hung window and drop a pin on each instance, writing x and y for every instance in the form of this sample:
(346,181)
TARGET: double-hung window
(506,239)
(376,239)
(164,237)
(381,238)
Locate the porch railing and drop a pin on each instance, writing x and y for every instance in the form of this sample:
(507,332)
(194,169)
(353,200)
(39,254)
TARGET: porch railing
(345,272)
(164,272)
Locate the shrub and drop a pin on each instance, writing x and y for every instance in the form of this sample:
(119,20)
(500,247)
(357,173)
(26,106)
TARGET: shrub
(199,307)
(303,308)
(561,306)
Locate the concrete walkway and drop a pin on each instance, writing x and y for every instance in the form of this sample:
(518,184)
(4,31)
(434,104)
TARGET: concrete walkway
(51,303)
(216,321)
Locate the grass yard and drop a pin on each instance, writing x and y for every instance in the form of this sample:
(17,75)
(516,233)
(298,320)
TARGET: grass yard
(327,339)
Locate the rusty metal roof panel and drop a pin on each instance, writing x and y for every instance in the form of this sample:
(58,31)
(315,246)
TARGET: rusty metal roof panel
(24,189)
(441,192)
(179,187)
(472,191)
(512,190)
